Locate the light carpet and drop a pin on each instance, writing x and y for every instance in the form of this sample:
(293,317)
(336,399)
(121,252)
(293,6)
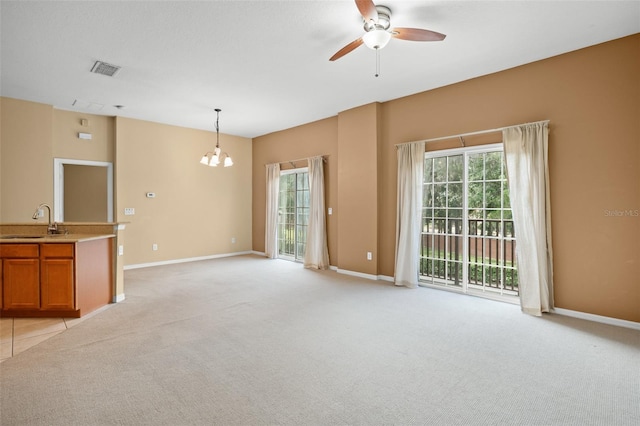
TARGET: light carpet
(251,341)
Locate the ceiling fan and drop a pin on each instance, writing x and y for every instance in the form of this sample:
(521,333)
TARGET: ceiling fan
(377,21)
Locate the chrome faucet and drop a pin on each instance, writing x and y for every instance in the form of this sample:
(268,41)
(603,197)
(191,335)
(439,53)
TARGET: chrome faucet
(53,227)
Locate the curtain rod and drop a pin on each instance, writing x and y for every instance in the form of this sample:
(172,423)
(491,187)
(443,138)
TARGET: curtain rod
(480,132)
(324,159)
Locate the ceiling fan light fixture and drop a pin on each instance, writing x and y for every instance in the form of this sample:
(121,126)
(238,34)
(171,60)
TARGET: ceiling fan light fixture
(378,31)
(376,39)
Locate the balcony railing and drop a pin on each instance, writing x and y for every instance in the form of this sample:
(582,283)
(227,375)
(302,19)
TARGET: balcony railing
(491,253)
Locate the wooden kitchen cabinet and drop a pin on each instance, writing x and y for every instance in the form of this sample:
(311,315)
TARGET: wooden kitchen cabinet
(57,277)
(21,284)
(20,277)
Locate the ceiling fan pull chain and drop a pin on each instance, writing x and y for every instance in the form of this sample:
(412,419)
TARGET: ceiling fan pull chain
(377,62)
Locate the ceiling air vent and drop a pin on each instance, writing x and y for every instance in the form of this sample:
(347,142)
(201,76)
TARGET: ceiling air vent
(105,69)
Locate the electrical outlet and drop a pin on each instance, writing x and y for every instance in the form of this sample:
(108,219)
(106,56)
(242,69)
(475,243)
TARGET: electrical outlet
(40,212)
(233,240)
(129,211)
(369,255)
(120,250)
(330,211)
(154,247)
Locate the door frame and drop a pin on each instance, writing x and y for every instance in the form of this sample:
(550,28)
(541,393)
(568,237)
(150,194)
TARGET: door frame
(58,185)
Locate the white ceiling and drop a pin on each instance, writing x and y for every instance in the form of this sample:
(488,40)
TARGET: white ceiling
(265,63)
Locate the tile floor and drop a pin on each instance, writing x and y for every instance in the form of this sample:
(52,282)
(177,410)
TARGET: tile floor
(19,334)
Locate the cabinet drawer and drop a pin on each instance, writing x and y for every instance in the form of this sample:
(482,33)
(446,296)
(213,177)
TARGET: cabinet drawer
(18,250)
(57,250)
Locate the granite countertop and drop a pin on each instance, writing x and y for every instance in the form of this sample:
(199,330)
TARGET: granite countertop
(55,238)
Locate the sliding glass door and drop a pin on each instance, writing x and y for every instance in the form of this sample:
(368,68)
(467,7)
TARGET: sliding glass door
(468,238)
(293,213)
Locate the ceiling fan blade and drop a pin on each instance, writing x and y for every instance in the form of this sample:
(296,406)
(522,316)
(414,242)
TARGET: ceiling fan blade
(348,48)
(416,34)
(367,10)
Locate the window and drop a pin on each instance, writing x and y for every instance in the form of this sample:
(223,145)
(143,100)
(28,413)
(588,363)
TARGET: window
(468,239)
(293,213)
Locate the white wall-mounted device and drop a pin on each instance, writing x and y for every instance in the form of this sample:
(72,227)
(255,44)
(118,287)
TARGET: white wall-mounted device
(84,136)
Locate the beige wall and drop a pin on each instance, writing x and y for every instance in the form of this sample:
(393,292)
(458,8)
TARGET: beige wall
(67,144)
(85,193)
(197,209)
(591,96)
(358,138)
(26,164)
(32,135)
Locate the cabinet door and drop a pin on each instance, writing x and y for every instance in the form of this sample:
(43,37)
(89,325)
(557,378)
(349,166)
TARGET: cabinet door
(57,284)
(21,284)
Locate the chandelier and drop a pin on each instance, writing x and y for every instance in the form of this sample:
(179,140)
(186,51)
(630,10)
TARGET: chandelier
(215,157)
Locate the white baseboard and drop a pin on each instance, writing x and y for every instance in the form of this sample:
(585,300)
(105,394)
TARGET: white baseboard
(259,253)
(357,274)
(362,275)
(597,318)
(118,298)
(185,260)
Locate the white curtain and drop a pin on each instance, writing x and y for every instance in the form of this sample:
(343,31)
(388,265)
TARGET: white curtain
(526,157)
(316,254)
(271,225)
(409,213)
